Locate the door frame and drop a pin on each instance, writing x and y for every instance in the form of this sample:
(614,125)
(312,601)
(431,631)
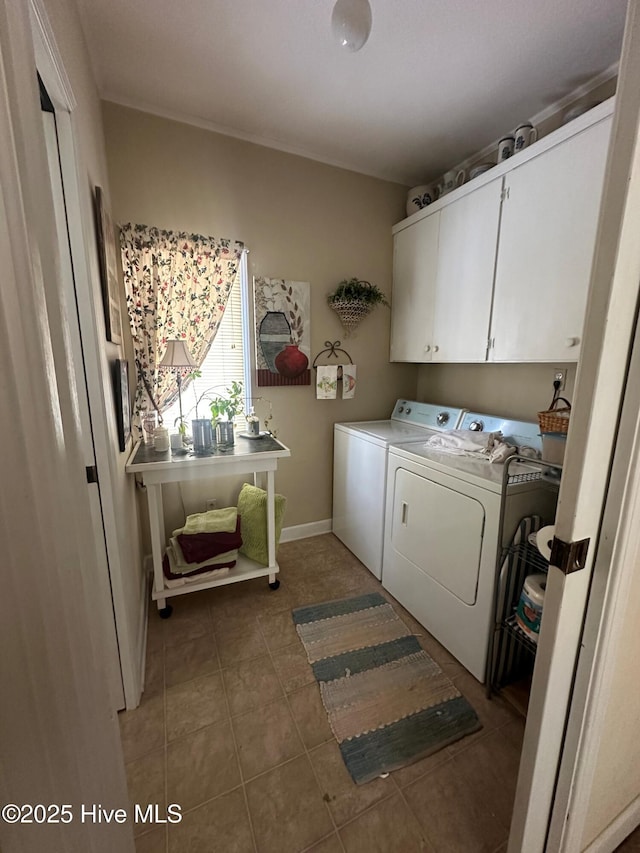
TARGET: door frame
(51,69)
(566,662)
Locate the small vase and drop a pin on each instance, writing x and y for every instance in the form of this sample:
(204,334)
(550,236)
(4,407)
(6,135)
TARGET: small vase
(224,433)
(274,333)
(203,436)
(291,362)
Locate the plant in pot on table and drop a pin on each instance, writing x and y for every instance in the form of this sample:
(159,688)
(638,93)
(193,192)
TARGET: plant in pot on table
(354,299)
(223,412)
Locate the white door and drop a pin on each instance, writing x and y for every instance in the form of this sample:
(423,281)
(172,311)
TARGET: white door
(466,264)
(415,265)
(547,234)
(102,596)
(552,752)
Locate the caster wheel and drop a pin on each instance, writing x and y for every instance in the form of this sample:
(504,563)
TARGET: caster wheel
(165,612)
(274,585)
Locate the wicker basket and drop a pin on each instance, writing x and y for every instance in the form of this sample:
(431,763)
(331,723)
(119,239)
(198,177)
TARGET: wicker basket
(554,419)
(351,312)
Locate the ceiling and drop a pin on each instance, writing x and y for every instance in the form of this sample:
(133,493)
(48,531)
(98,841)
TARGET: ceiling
(436,81)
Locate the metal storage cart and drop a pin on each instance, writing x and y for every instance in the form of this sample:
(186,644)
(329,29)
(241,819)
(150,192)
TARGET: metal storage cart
(511,651)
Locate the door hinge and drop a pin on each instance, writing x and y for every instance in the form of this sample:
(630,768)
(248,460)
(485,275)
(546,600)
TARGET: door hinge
(92,474)
(504,193)
(569,556)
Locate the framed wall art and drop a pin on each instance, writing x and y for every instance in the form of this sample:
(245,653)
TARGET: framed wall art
(283,334)
(109,254)
(121,396)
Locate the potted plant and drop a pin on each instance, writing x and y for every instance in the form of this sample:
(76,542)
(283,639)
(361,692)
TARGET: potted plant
(223,411)
(353,299)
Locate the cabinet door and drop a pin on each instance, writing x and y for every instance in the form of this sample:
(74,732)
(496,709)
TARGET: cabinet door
(547,237)
(464,284)
(415,258)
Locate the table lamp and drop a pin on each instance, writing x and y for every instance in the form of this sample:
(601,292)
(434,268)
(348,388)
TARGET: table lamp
(177,356)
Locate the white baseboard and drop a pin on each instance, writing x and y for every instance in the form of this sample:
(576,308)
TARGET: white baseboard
(304,531)
(617,831)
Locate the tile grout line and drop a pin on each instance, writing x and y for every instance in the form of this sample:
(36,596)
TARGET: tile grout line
(304,745)
(235,745)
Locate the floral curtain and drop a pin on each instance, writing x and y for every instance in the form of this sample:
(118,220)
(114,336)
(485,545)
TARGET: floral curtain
(177,286)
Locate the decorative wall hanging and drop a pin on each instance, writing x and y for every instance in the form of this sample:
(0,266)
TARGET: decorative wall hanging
(328,376)
(353,300)
(108,257)
(283,334)
(121,396)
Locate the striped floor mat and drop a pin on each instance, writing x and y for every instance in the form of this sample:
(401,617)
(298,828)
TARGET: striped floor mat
(389,704)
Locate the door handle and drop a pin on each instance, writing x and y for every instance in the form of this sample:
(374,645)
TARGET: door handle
(405,513)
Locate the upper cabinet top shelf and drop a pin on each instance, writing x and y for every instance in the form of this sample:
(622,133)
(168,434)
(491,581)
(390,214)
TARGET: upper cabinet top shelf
(567,131)
(498,270)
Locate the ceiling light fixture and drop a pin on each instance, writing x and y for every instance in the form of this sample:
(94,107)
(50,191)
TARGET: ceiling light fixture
(351,23)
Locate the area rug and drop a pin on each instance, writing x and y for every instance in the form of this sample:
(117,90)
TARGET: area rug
(389,704)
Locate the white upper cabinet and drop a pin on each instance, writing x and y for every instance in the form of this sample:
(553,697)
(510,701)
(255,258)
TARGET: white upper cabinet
(499,270)
(464,283)
(547,237)
(415,251)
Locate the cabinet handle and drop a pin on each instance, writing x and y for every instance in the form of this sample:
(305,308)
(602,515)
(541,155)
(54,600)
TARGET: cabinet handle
(405,512)
(427,348)
(436,348)
(572,342)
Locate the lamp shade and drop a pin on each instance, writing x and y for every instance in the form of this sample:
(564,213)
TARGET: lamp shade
(351,23)
(177,355)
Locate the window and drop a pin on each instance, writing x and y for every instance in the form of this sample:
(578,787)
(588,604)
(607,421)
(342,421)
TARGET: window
(228,359)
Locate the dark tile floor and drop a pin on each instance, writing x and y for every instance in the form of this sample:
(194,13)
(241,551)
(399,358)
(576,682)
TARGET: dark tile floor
(231,727)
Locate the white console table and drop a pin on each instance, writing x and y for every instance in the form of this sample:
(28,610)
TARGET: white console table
(245,457)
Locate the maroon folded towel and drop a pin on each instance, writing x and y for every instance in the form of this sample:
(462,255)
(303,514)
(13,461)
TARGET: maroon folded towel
(173,577)
(198,547)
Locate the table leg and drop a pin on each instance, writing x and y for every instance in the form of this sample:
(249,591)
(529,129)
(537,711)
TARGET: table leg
(271,521)
(156,525)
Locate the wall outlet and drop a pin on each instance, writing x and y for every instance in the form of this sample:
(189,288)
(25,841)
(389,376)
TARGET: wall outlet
(212,503)
(560,375)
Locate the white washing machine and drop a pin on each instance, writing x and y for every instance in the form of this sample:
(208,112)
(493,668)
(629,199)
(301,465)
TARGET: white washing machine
(442,528)
(360,472)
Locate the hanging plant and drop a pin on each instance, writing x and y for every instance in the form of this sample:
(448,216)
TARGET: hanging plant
(353,299)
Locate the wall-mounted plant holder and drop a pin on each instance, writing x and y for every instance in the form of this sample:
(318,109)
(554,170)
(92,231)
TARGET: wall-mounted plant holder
(353,300)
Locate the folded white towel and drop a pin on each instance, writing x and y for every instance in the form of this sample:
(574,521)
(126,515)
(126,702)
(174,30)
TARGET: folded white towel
(204,576)
(465,442)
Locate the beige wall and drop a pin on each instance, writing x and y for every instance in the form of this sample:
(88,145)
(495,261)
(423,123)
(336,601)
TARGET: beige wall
(301,220)
(513,390)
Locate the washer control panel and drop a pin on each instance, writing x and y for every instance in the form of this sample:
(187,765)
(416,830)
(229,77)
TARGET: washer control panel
(518,433)
(429,415)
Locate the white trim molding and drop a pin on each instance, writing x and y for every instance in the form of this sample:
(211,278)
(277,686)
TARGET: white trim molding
(305,531)
(48,57)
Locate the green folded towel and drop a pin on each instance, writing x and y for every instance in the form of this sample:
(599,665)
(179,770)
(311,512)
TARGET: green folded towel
(213,521)
(252,508)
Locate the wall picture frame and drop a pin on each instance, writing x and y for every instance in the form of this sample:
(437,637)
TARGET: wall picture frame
(282,313)
(108,254)
(121,396)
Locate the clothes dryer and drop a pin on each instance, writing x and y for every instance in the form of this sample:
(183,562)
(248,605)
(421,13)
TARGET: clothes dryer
(442,528)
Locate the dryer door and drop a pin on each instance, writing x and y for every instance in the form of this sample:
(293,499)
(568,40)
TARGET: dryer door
(440,531)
